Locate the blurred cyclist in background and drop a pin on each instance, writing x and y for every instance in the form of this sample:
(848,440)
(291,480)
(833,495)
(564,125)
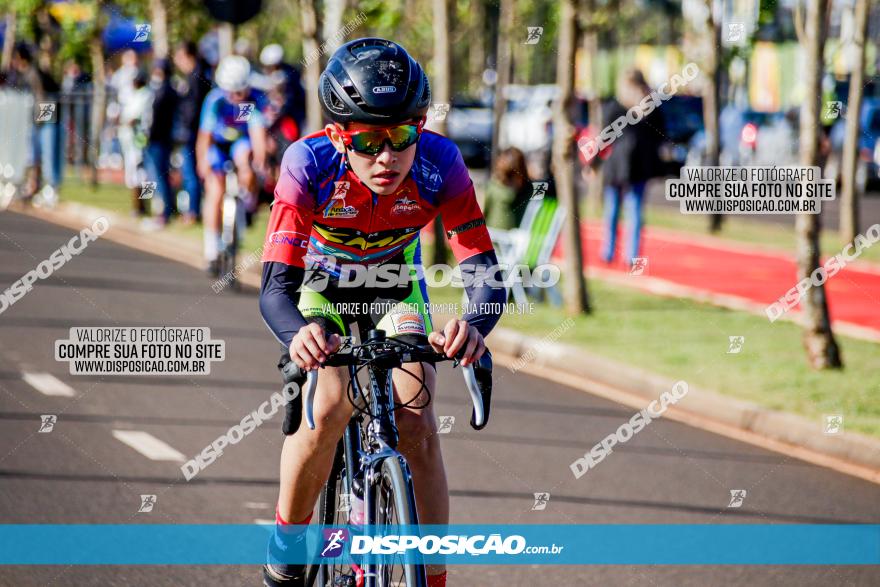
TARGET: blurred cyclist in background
(232,128)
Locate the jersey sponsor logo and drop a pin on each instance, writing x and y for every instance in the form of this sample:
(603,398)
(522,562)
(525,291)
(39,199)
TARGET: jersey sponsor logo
(408,323)
(289,237)
(352,237)
(405,206)
(340,189)
(338,209)
(465,227)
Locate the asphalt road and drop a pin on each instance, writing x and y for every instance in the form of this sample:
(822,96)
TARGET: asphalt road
(81,473)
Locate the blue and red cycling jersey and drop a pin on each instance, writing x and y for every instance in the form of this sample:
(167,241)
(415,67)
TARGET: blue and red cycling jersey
(321,208)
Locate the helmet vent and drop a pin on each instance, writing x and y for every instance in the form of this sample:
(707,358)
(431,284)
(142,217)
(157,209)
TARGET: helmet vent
(355,96)
(331,100)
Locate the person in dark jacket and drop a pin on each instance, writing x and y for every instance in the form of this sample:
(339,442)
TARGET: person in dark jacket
(192,90)
(631,160)
(160,135)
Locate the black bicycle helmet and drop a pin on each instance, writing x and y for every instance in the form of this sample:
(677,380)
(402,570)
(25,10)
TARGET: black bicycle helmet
(373,81)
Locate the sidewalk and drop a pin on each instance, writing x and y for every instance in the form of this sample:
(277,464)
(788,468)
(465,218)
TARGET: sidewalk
(738,276)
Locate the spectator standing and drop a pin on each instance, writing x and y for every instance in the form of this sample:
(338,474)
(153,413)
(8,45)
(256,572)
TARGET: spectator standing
(272,59)
(193,88)
(632,160)
(160,136)
(133,124)
(508,190)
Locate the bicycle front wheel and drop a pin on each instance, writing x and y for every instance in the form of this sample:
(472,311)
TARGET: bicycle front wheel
(393,503)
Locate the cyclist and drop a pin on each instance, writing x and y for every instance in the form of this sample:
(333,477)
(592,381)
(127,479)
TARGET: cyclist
(359,192)
(231,128)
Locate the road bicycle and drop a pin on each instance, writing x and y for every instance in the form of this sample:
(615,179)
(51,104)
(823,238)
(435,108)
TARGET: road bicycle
(233,222)
(367,466)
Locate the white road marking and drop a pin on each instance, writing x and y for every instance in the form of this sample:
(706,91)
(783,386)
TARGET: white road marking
(268,524)
(257,505)
(48,384)
(148,445)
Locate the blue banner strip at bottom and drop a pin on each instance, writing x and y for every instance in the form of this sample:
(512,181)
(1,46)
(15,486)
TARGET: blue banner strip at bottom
(245,544)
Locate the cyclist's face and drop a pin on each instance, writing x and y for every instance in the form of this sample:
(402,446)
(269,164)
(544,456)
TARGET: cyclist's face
(236,97)
(382,173)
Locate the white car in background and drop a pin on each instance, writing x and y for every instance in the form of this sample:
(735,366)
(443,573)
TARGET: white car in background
(527,123)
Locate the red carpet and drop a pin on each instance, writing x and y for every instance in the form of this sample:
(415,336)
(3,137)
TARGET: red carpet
(712,265)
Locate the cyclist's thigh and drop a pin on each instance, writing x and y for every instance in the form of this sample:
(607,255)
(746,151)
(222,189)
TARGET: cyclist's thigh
(331,399)
(241,151)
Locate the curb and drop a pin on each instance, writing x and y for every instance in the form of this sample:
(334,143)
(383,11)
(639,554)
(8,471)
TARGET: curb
(790,429)
(622,382)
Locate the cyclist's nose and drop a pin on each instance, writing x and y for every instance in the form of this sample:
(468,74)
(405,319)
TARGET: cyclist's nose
(386,155)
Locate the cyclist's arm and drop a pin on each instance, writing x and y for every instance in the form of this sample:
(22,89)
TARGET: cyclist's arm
(470,242)
(257,135)
(285,246)
(208,121)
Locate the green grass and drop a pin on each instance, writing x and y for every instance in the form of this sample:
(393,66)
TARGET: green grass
(686,340)
(118,199)
(677,338)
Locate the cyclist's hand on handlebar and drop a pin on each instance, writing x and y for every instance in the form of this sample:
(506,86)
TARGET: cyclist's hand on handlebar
(311,346)
(458,335)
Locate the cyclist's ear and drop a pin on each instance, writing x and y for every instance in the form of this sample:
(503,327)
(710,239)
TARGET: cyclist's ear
(334,137)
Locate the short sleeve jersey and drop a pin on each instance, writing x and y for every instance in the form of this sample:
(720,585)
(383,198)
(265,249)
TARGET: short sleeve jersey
(322,209)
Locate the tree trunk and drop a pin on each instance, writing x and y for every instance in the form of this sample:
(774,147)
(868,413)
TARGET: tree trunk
(159,28)
(8,41)
(440,94)
(564,161)
(502,68)
(711,96)
(312,60)
(822,350)
(849,196)
(334,10)
(477,47)
(99,97)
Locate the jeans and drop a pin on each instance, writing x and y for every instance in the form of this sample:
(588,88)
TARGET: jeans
(158,164)
(632,196)
(47,152)
(191,183)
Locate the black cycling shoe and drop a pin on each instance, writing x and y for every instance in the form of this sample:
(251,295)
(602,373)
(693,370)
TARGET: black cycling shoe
(272,577)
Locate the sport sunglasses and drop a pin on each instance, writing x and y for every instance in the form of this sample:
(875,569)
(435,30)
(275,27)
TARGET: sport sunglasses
(372,141)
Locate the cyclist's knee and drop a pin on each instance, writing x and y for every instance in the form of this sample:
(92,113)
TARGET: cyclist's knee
(416,427)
